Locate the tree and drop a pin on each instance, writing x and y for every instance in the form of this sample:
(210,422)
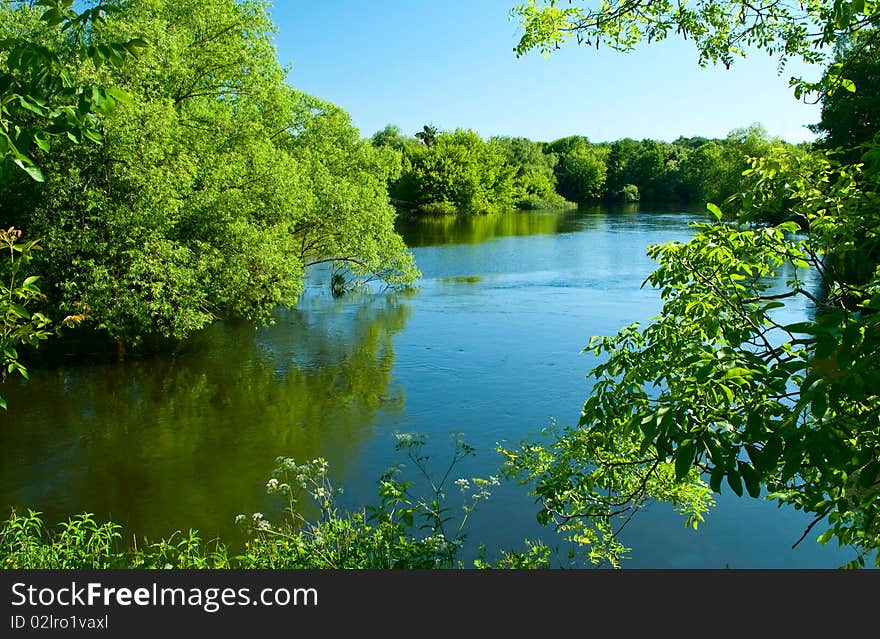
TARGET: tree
(459,172)
(850,119)
(40,100)
(391,136)
(580,169)
(581,175)
(535,178)
(213,189)
(621,164)
(428,135)
(713,172)
(719,389)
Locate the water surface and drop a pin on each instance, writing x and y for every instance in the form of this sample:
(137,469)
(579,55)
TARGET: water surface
(488,344)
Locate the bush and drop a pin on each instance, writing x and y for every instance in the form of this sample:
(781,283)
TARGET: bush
(629,193)
(554,201)
(383,536)
(437,209)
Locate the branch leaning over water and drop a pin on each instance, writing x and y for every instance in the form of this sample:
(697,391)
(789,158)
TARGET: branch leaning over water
(382,275)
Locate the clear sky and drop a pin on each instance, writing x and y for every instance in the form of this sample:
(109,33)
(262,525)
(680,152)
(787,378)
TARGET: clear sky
(451,64)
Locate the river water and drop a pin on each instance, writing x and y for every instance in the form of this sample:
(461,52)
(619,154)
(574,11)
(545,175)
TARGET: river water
(488,343)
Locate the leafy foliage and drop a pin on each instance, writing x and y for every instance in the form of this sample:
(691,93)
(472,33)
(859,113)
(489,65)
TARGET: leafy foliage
(721,30)
(383,536)
(717,384)
(581,170)
(215,187)
(849,118)
(19,325)
(535,180)
(458,168)
(40,96)
(391,136)
(460,172)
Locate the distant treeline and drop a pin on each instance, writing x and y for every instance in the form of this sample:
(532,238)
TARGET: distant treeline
(458,171)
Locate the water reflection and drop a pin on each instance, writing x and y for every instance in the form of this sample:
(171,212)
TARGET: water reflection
(174,442)
(473,229)
(476,229)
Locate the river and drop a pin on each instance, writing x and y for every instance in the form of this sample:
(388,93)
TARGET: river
(488,343)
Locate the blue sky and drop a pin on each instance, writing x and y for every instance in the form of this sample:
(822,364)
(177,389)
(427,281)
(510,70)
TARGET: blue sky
(451,64)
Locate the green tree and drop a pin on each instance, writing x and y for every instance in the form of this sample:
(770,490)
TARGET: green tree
(428,135)
(580,169)
(622,156)
(41,99)
(459,172)
(850,119)
(391,136)
(213,190)
(719,389)
(535,179)
(713,172)
(581,175)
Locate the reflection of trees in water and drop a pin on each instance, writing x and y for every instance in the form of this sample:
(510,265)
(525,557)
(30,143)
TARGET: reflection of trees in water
(187,441)
(473,229)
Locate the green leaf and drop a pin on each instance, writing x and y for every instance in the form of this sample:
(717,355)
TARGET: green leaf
(869,474)
(52,17)
(739,373)
(755,456)
(771,453)
(728,393)
(137,43)
(42,142)
(826,536)
(819,405)
(30,169)
(29,105)
(715,211)
(715,478)
(684,459)
(94,136)
(119,95)
(752,479)
(19,310)
(808,328)
(735,482)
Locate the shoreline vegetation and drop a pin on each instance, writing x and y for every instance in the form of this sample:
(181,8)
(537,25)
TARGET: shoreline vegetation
(459,173)
(406,528)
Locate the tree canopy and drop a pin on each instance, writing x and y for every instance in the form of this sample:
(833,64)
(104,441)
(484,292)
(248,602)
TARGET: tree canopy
(40,100)
(213,187)
(461,172)
(721,30)
(850,118)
